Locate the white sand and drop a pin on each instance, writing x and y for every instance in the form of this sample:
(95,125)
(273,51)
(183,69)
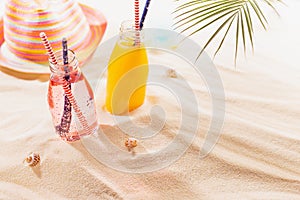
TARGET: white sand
(256,157)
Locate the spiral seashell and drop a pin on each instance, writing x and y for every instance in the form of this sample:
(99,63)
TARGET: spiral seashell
(130,143)
(171,73)
(32,159)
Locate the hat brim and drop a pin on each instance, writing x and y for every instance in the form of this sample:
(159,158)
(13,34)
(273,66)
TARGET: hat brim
(97,23)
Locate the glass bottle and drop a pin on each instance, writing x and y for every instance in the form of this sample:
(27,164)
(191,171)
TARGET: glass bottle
(71,99)
(127,71)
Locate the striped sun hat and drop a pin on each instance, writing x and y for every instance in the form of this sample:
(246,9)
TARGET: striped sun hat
(25,19)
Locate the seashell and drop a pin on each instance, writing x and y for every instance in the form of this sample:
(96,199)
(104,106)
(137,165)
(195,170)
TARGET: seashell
(32,159)
(130,143)
(171,73)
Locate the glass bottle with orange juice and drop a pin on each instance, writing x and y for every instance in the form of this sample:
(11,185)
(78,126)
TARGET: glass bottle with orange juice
(127,72)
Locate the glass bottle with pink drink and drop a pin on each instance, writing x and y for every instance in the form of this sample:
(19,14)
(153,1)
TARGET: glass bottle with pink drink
(71,99)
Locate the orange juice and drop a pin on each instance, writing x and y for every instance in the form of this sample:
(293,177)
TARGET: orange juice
(127,76)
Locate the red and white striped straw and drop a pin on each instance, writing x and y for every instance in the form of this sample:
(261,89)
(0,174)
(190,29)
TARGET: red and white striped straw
(48,48)
(137,21)
(73,102)
(66,87)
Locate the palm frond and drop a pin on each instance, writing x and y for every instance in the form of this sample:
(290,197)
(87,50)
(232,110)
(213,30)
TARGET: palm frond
(243,31)
(259,13)
(211,11)
(221,43)
(249,24)
(271,5)
(236,38)
(217,3)
(195,15)
(228,20)
(211,22)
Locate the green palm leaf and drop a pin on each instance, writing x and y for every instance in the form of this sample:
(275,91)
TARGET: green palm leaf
(195,15)
(210,12)
(237,37)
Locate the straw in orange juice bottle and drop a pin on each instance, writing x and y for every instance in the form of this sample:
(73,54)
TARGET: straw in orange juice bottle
(127,72)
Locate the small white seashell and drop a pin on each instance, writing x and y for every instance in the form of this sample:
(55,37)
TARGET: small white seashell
(130,143)
(171,73)
(32,159)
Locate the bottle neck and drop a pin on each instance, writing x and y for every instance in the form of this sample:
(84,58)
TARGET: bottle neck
(129,36)
(62,69)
